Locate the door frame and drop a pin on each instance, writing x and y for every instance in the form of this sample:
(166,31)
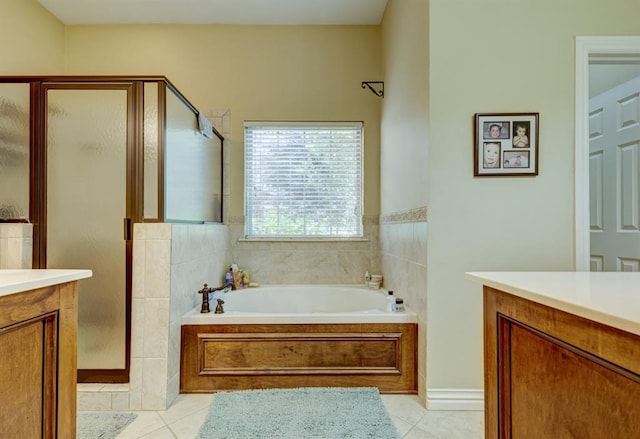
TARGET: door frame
(607,47)
(133,198)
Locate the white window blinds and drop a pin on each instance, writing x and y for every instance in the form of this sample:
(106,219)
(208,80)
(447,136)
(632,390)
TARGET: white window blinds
(303,180)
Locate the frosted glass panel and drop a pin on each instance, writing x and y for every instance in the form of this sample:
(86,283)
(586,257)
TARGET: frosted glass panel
(86,199)
(151,150)
(14,151)
(193,168)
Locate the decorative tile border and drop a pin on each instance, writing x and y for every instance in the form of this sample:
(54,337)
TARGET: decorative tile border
(408,216)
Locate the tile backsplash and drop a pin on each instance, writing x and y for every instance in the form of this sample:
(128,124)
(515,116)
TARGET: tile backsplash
(300,262)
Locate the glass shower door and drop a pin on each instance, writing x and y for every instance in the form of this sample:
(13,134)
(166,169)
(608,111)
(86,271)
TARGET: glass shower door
(86,204)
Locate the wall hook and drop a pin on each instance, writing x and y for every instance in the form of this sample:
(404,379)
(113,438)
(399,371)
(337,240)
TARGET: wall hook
(378,91)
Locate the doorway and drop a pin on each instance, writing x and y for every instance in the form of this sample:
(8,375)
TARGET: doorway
(605,51)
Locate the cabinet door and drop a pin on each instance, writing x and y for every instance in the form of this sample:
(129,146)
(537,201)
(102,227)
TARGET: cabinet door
(27,379)
(559,391)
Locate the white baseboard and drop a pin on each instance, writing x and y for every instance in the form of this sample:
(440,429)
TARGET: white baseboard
(455,399)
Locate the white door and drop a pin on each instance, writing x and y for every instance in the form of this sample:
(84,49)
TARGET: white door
(614,178)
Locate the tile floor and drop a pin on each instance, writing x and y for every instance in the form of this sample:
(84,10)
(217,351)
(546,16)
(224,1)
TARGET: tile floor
(183,419)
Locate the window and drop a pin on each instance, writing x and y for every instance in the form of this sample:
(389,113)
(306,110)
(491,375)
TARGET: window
(303,180)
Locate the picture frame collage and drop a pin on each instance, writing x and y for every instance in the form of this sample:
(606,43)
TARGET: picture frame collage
(506,144)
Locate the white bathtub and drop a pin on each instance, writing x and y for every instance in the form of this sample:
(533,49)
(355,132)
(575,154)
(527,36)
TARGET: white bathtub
(300,304)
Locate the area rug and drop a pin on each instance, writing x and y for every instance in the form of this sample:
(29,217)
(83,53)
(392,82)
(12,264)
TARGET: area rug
(102,425)
(302,413)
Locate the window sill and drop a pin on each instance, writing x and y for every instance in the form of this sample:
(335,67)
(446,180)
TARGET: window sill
(303,240)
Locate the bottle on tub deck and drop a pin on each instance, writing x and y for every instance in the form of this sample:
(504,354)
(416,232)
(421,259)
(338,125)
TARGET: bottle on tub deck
(367,278)
(391,302)
(228,277)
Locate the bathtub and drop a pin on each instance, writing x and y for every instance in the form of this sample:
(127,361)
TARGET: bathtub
(299,336)
(301,304)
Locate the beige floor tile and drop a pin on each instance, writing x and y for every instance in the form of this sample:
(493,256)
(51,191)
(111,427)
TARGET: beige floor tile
(418,433)
(405,407)
(185,405)
(403,427)
(162,433)
(188,427)
(453,424)
(145,423)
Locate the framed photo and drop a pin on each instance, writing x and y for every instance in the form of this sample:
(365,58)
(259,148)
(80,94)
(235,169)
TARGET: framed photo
(505,144)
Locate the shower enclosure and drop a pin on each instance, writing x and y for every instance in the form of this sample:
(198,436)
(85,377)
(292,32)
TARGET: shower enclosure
(83,159)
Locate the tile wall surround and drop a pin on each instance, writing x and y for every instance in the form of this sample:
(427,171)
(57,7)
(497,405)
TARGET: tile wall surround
(299,262)
(221,120)
(171,262)
(403,249)
(16,245)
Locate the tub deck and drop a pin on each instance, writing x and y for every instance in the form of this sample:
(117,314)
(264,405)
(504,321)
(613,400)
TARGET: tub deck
(224,357)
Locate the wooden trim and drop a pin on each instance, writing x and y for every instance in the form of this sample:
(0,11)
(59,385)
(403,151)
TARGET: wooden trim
(162,120)
(504,376)
(106,376)
(246,340)
(491,389)
(68,355)
(37,180)
(80,78)
(50,372)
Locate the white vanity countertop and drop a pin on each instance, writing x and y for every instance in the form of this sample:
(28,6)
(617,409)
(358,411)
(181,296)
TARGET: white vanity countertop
(609,298)
(16,281)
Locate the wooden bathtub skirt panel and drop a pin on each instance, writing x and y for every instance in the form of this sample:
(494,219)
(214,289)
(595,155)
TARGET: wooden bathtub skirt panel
(258,354)
(231,357)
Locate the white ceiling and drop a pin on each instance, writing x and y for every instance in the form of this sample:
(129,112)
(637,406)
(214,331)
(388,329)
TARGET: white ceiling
(290,12)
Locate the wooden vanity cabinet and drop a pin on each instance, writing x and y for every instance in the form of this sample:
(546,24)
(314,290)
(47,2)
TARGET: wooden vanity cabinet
(552,374)
(38,357)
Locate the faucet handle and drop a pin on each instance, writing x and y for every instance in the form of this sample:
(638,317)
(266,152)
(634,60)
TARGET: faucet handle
(205,299)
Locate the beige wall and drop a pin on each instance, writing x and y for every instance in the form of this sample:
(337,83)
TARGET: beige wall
(521,63)
(257,72)
(403,164)
(32,39)
(403,131)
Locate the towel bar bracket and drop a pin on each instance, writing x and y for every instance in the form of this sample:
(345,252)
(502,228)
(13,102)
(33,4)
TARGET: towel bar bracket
(378,90)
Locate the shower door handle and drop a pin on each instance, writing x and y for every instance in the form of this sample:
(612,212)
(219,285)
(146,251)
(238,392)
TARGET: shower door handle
(127,229)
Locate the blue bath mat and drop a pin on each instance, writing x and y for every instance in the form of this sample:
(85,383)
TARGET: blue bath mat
(102,425)
(303,413)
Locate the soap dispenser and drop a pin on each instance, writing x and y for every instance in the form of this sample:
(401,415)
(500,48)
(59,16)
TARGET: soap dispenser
(391,302)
